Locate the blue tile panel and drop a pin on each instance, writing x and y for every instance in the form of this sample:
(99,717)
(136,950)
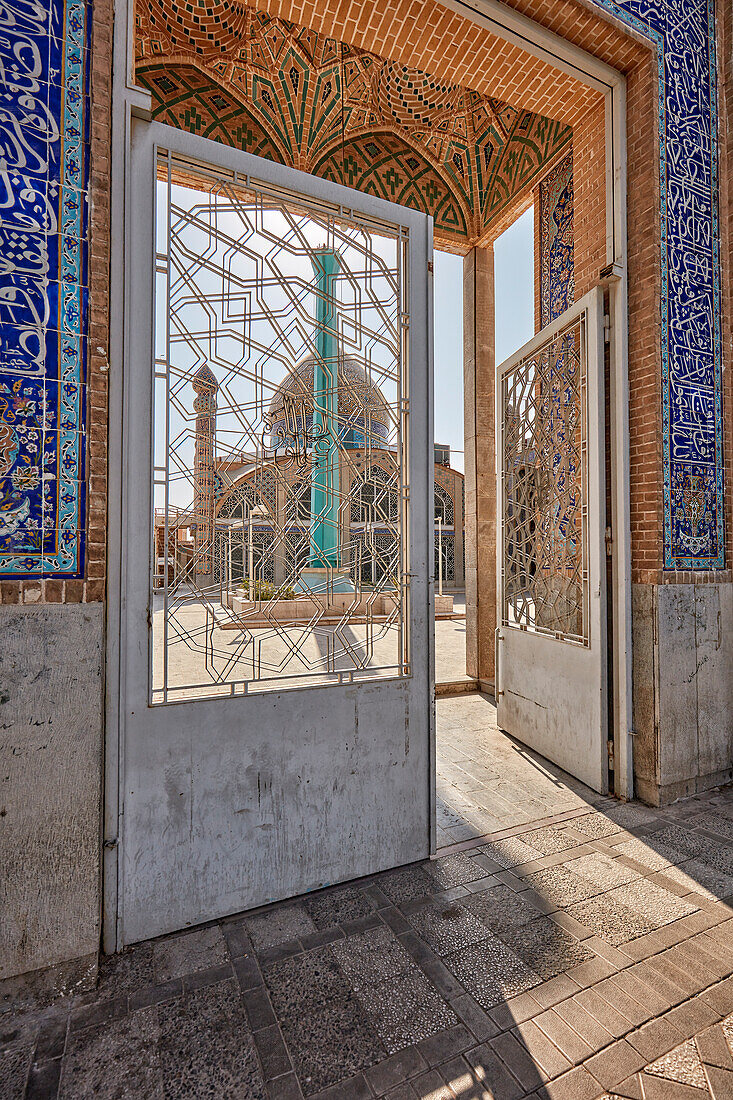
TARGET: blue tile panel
(557,265)
(44,165)
(692,415)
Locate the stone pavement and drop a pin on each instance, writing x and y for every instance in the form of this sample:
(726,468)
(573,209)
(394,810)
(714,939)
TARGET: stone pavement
(487,781)
(586,958)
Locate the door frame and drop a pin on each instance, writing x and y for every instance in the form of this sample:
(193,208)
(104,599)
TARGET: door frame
(131,438)
(128,101)
(523,32)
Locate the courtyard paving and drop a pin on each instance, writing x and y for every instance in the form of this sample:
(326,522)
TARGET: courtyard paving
(487,782)
(580,954)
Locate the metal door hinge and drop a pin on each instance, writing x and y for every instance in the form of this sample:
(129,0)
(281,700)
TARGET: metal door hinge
(430,266)
(609,542)
(112,842)
(610,754)
(606,328)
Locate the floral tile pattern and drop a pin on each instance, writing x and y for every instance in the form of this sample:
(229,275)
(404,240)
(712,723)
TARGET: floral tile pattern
(44,62)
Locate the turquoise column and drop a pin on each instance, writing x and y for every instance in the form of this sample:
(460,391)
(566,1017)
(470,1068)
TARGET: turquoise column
(323,574)
(324,527)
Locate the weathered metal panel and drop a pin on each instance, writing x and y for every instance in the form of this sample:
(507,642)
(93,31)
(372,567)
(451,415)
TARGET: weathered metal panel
(233,802)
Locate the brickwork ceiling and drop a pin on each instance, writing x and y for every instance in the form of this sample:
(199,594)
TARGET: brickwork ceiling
(286,92)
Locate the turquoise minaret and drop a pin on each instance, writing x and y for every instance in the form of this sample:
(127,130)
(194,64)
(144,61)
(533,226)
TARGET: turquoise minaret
(324,530)
(323,574)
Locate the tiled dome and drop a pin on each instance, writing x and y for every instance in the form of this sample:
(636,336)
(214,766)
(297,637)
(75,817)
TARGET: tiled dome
(362,409)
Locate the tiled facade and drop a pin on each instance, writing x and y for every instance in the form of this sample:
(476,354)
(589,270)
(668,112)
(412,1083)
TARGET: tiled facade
(326,129)
(43,305)
(557,270)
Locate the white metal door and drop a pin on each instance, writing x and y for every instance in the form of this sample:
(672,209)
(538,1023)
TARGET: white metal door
(276,729)
(551,638)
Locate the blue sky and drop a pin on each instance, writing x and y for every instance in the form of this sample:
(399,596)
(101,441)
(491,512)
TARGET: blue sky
(514,283)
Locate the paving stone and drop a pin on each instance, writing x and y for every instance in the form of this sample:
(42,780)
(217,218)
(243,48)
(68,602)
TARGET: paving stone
(610,920)
(405,1009)
(444,1045)
(715,822)
(551,839)
(500,908)
(650,854)
(683,1064)
(596,825)
(544,1053)
(43,1081)
(298,985)
(206,1049)
(721,1082)
(491,972)
(454,870)
(657,905)
(431,1086)
(126,972)
(588,1028)
(395,1070)
(115,1059)
(702,878)
(15,1065)
(510,852)
(370,956)
(615,1063)
(630,815)
(448,928)
(279,925)
(331,1045)
(603,871)
(488,1076)
(336,906)
(561,886)
(690,843)
(272,1053)
(576,1084)
(654,1038)
(188,951)
(406,884)
(565,1038)
(546,949)
(715,1047)
(517,1059)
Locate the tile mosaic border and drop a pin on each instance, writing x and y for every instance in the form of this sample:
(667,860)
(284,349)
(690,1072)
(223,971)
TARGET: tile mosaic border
(692,415)
(44,171)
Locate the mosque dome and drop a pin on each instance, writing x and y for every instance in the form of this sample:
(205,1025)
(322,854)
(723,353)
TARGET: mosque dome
(363,412)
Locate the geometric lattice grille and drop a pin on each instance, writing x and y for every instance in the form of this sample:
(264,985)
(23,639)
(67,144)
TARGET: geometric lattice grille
(280,344)
(544,486)
(445,557)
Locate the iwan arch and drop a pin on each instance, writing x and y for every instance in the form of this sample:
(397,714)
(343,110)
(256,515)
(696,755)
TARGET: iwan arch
(468,115)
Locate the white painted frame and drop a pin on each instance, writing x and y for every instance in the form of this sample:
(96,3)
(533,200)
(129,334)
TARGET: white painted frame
(551,692)
(195,839)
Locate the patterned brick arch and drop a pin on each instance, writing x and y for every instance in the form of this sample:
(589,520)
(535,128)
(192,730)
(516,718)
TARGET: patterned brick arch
(299,97)
(385,165)
(188,98)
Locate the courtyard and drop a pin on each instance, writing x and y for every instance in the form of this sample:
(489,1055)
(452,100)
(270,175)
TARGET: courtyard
(580,949)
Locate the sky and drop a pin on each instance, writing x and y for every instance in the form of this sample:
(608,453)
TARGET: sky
(514,288)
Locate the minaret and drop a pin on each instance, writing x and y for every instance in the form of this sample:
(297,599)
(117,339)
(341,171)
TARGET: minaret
(206,386)
(322,574)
